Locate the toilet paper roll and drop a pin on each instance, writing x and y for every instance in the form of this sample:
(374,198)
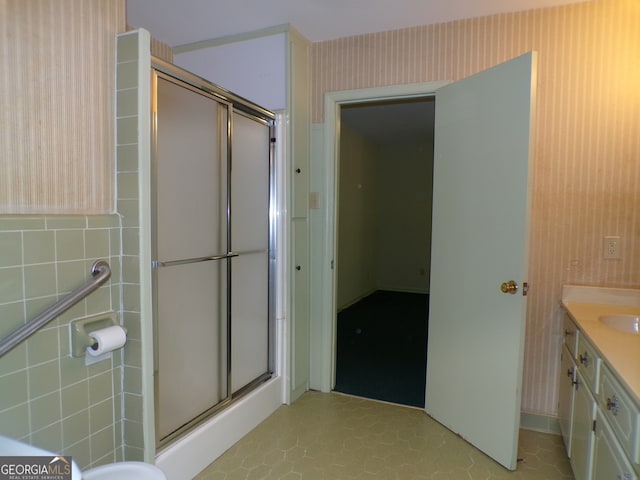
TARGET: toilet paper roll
(107,339)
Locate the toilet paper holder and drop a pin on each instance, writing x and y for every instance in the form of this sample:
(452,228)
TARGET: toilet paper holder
(82,327)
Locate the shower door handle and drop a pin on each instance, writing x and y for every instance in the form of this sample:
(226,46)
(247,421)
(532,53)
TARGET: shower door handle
(186,261)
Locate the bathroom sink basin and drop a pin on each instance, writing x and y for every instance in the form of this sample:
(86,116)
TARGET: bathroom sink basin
(623,323)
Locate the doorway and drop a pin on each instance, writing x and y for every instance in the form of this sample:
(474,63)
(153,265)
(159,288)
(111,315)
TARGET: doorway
(385,173)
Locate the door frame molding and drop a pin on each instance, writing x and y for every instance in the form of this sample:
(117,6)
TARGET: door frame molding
(323,376)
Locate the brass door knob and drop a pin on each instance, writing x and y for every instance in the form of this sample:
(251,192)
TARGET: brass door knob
(509,287)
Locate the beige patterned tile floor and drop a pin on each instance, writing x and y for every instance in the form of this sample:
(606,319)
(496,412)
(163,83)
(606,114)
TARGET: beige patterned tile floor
(334,437)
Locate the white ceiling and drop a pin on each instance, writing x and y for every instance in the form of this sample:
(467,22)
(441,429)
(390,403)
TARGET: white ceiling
(180,22)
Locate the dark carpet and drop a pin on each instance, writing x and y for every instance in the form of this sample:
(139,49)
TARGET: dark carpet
(382,348)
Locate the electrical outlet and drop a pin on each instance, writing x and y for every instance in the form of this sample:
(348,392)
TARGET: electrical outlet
(611,247)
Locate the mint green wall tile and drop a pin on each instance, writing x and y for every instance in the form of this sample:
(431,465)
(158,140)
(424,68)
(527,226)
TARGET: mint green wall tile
(105,366)
(10,249)
(115,241)
(130,269)
(69,245)
(115,265)
(103,221)
(39,382)
(40,280)
(44,379)
(129,211)
(45,410)
(100,387)
(115,295)
(132,379)
(97,243)
(44,346)
(127,47)
(102,444)
(14,389)
(133,454)
(127,75)
(16,222)
(75,398)
(72,370)
(127,130)
(79,310)
(117,431)
(15,421)
(39,246)
(101,415)
(128,185)
(133,407)
(127,158)
(14,360)
(131,297)
(11,317)
(62,222)
(71,275)
(49,438)
(75,427)
(99,300)
(80,452)
(132,323)
(133,433)
(35,306)
(130,241)
(133,353)
(127,103)
(11,284)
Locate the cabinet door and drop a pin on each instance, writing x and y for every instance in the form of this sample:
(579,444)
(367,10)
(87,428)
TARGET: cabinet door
(609,460)
(582,437)
(565,403)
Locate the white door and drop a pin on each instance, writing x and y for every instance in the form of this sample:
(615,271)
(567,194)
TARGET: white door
(480,232)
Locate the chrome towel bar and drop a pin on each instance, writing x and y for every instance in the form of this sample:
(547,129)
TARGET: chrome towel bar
(100,272)
(187,261)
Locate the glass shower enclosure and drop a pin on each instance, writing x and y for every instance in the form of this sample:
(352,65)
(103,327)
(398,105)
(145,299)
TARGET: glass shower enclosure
(212,235)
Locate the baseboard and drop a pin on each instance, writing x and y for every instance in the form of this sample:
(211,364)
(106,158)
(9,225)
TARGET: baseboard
(421,291)
(539,422)
(353,301)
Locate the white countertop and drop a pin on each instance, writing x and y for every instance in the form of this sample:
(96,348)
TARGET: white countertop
(620,350)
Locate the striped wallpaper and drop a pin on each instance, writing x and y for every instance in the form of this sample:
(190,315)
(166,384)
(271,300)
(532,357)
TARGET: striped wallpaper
(586,148)
(57,105)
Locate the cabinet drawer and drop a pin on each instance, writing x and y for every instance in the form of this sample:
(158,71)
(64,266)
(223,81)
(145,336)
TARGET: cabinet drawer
(622,413)
(570,333)
(588,363)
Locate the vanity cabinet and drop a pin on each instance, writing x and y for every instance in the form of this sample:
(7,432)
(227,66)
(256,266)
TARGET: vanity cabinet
(599,419)
(566,397)
(567,381)
(582,435)
(609,460)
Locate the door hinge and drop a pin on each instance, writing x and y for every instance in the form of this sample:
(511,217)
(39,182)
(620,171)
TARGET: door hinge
(594,426)
(332,264)
(525,289)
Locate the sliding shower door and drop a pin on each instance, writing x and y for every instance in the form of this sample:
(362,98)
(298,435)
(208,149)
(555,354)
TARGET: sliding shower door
(211,175)
(250,202)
